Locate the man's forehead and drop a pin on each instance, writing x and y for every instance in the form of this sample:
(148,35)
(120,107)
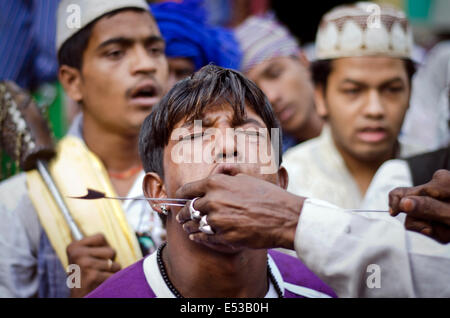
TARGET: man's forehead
(374,68)
(259,69)
(223,113)
(128,23)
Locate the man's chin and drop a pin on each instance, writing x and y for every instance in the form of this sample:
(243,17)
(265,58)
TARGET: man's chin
(136,121)
(369,154)
(222,248)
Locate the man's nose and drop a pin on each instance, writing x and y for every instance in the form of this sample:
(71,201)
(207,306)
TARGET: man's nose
(142,62)
(273,95)
(374,107)
(226,145)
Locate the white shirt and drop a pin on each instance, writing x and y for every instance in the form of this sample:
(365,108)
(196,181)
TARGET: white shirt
(341,246)
(391,174)
(141,216)
(317,170)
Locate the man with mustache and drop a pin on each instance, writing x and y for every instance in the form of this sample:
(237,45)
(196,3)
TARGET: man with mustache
(112,63)
(362,79)
(343,247)
(223,100)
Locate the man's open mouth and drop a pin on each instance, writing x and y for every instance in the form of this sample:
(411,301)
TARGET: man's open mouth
(145,94)
(146,91)
(372,134)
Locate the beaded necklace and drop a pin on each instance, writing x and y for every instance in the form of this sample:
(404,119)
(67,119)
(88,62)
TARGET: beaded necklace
(177,294)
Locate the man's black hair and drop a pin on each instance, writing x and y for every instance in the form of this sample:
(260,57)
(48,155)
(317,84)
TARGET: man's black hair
(210,86)
(321,69)
(71,52)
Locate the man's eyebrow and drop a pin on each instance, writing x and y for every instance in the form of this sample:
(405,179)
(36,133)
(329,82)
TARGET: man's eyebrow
(129,41)
(266,71)
(354,82)
(206,123)
(252,121)
(392,81)
(188,124)
(385,83)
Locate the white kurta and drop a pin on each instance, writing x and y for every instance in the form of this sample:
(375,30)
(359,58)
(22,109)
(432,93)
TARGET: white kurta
(392,174)
(317,170)
(339,246)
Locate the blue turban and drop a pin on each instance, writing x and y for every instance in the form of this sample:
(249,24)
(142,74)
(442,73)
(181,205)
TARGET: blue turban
(187,35)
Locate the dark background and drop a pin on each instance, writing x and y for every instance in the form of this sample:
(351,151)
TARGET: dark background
(303,17)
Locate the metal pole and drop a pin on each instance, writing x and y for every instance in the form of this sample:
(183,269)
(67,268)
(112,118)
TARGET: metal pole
(42,168)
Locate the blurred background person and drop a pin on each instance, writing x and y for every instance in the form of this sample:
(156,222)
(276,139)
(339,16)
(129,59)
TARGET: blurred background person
(362,79)
(28,57)
(273,59)
(427,121)
(115,68)
(418,169)
(191,42)
(27,39)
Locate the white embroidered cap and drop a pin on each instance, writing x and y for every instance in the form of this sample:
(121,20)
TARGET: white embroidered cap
(364,29)
(73,15)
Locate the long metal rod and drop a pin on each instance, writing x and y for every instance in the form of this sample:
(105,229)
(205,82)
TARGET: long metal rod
(42,168)
(362,210)
(142,198)
(95,195)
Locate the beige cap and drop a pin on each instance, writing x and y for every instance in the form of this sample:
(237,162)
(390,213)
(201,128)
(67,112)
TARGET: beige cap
(364,29)
(73,15)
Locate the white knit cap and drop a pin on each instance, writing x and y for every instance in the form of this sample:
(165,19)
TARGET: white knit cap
(73,15)
(364,29)
(262,38)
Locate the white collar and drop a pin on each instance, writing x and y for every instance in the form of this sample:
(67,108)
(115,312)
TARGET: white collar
(159,287)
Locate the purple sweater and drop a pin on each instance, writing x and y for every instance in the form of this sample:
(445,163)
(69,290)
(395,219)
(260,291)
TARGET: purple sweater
(131,282)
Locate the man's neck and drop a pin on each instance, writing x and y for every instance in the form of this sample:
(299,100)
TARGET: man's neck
(311,129)
(362,171)
(197,271)
(117,152)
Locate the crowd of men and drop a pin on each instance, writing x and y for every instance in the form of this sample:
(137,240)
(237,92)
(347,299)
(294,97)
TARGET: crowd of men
(345,190)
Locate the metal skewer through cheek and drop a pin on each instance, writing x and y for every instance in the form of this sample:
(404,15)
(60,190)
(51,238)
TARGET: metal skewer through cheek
(94,195)
(363,210)
(169,204)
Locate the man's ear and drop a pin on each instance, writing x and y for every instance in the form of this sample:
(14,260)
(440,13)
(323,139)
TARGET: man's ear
(70,79)
(319,98)
(283,178)
(153,187)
